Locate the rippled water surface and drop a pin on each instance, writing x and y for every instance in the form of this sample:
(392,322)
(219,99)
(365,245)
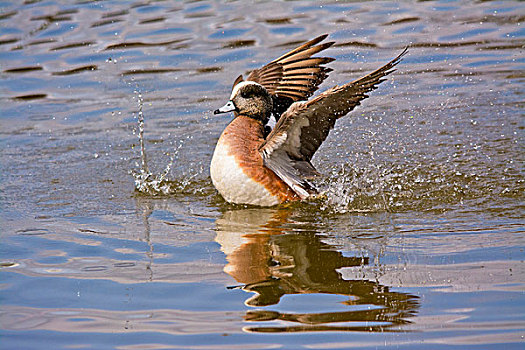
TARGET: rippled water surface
(418,241)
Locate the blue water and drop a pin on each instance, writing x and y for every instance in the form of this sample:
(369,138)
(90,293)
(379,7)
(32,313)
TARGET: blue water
(418,242)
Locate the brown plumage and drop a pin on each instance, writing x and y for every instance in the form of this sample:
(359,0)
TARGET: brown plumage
(289,148)
(281,162)
(294,76)
(243,137)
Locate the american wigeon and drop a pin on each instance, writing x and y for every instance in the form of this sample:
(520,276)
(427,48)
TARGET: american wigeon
(253,165)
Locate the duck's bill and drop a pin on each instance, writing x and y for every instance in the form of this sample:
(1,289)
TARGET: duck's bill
(228,107)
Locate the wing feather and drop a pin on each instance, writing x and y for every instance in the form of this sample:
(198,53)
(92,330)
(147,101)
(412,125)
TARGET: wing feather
(296,75)
(305,125)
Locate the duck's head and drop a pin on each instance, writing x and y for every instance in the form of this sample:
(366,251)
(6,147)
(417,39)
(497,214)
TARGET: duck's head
(250,99)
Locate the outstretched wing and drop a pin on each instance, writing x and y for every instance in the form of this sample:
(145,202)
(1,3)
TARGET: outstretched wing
(294,76)
(300,131)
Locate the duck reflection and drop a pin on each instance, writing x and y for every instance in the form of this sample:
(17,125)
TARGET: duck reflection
(271,261)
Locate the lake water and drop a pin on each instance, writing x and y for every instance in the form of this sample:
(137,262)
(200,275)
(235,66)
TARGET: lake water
(418,242)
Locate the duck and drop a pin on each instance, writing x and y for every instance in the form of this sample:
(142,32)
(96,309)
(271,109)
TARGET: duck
(256,164)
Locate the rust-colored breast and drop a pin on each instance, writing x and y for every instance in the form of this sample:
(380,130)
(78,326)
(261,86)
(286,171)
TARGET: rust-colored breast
(244,135)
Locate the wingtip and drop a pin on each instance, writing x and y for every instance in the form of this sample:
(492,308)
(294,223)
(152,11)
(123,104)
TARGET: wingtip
(397,59)
(403,53)
(326,45)
(316,40)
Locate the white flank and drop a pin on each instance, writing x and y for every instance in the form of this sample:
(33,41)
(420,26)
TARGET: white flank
(233,184)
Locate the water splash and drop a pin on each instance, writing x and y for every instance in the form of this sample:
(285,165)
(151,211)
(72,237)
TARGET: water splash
(350,188)
(422,186)
(146,181)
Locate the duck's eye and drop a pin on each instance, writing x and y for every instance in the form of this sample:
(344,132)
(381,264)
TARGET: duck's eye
(245,94)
